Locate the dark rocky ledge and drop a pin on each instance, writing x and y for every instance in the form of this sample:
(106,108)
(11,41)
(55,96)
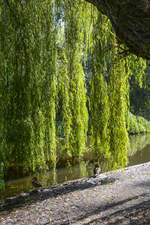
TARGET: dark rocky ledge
(131,22)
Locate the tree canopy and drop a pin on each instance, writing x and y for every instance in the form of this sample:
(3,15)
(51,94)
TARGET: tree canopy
(62,79)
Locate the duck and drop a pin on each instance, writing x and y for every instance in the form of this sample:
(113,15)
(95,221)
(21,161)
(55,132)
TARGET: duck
(97,170)
(35,182)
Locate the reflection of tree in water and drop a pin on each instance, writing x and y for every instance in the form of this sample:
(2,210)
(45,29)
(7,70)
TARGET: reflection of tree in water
(137,142)
(141,156)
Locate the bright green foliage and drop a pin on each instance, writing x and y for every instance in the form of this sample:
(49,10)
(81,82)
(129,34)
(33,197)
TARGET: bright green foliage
(135,70)
(63,86)
(117,87)
(63,106)
(44,46)
(28,82)
(140,94)
(17,45)
(138,124)
(49,91)
(99,101)
(77,93)
(136,67)
(108,100)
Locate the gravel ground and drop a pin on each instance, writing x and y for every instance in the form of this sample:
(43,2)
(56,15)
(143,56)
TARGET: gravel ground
(119,197)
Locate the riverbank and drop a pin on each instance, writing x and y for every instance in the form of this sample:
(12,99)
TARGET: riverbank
(118,197)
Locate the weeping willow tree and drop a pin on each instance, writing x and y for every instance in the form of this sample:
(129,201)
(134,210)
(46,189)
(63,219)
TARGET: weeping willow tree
(63,80)
(75,111)
(108,97)
(121,71)
(118,90)
(99,100)
(43,47)
(134,68)
(27,71)
(49,13)
(15,69)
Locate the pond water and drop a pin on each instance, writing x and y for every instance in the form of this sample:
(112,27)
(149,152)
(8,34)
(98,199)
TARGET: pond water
(139,153)
(139,149)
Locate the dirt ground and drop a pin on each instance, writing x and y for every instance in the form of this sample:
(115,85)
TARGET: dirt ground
(119,197)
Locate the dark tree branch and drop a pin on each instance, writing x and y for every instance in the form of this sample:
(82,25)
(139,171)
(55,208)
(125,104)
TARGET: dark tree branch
(131,22)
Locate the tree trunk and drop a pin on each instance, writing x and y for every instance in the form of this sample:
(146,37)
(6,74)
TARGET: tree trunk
(131,22)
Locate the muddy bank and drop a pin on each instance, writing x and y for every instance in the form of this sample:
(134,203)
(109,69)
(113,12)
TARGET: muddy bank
(119,197)
(41,194)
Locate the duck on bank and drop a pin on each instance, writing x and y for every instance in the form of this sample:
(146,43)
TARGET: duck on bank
(97,170)
(36,183)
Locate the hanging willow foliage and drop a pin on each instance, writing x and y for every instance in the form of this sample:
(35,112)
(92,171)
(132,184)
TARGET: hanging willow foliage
(63,81)
(49,78)
(16,53)
(28,82)
(99,102)
(118,89)
(134,67)
(74,38)
(108,99)
(43,48)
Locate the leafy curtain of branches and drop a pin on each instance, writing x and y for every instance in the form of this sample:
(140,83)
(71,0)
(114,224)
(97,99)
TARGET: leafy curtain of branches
(117,98)
(99,99)
(28,83)
(44,46)
(49,92)
(74,38)
(108,98)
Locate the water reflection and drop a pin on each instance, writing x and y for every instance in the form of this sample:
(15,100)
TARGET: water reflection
(141,156)
(138,142)
(139,152)
(84,169)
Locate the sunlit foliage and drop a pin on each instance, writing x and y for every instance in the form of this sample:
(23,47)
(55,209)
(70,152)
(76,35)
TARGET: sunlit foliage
(28,83)
(99,99)
(61,70)
(74,40)
(118,90)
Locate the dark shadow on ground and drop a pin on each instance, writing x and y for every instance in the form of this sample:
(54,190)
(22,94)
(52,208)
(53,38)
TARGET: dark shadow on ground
(139,214)
(53,191)
(135,215)
(143,184)
(125,213)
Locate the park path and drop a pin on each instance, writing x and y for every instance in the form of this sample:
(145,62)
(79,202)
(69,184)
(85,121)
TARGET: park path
(118,197)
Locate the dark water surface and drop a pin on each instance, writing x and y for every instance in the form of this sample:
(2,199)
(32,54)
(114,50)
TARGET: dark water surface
(139,152)
(139,149)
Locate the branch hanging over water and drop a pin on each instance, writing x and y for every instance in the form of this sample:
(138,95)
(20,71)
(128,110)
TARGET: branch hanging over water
(131,22)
